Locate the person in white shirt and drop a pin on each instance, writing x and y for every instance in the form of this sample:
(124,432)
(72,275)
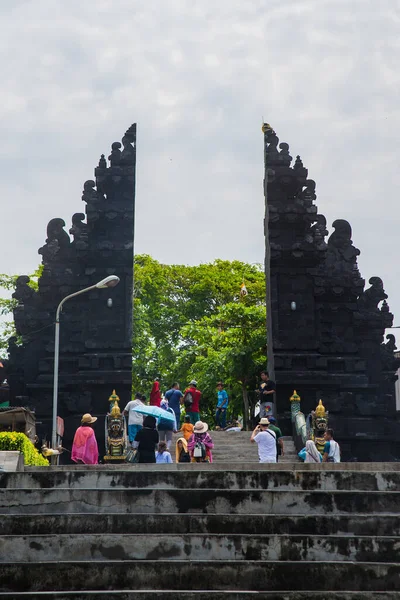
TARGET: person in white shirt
(135,419)
(266,441)
(331,448)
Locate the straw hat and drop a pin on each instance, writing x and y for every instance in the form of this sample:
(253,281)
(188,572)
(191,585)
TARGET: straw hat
(87,418)
(200,427)
(264,421)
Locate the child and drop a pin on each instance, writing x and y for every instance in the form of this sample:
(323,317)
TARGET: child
(187,428)
(163,456)
(182,455)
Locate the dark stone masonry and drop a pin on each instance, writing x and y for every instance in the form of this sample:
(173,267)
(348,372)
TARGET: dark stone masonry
(96,328)
(328,326)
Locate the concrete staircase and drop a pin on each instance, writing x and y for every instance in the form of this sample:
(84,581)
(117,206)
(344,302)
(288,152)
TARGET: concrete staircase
(194,531)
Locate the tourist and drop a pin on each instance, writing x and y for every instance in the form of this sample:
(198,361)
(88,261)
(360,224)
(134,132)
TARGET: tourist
(84,446)
(147,439)
(135,419)
(279,440)
(312,454)
(187,428)
(266,393)
(266,441)
(166,426)
(191,400)
(155,394)
(174,397)
(331,448)
(222,406)
(162,454)
(181,451)
(200,443)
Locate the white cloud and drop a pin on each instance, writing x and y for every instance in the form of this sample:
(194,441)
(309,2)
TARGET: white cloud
(198,76)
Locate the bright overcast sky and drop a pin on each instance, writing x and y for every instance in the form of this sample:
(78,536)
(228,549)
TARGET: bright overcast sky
(198,76)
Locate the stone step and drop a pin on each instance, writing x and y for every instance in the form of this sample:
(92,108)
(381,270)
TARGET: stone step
(135,523)
(196,476)
(381,467)
(199,547)
(197,595)
(149,500)
(197,575)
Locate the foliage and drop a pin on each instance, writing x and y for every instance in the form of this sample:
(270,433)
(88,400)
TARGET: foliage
(8,283)
(191,321)
(12,440)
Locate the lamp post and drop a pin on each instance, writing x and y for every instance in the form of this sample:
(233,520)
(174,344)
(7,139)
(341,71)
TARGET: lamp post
(108,282)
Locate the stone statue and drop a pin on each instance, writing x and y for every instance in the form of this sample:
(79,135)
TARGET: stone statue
(116,438)
(319,424)
(23,292)
(79,231)
(90,195)
(370,298)
(57,241)
(115,156)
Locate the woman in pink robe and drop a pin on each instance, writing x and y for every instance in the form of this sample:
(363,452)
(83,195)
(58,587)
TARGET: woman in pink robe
(84,447)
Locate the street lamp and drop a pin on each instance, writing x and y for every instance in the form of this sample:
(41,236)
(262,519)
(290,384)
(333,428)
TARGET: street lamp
(108,282)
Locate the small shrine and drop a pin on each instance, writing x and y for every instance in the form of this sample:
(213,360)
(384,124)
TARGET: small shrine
(116,441)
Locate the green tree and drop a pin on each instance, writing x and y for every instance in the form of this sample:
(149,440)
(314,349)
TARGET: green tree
(231,346)
(7,304)
(192,321)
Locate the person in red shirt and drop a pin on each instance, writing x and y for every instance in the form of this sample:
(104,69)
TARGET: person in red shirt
(155,394)
(191,400)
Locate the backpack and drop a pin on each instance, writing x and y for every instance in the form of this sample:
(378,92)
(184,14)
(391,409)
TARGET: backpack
(199,450)
(188,400)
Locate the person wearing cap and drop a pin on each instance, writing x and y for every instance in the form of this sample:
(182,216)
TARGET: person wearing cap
(265,440)
(200,438)
(279,439)
(84,446)
(191,401)
(222,406)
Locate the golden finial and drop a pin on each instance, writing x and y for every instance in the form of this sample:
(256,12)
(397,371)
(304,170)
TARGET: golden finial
(294,397)
(320,410)
(115,411)
(113,397)
(266,127)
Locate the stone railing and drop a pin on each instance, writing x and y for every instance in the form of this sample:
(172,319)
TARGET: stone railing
(299,425)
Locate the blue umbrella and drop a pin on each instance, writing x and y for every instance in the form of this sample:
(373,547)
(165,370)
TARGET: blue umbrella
(155,411)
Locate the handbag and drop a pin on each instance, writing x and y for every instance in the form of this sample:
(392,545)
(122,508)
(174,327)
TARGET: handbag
(199,450)
(302,454)
(132,456)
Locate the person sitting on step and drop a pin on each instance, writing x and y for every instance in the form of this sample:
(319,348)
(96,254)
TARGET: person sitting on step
(331,448)
(162,454)
(181,451)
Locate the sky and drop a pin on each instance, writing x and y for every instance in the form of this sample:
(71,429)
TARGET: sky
(199,77)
